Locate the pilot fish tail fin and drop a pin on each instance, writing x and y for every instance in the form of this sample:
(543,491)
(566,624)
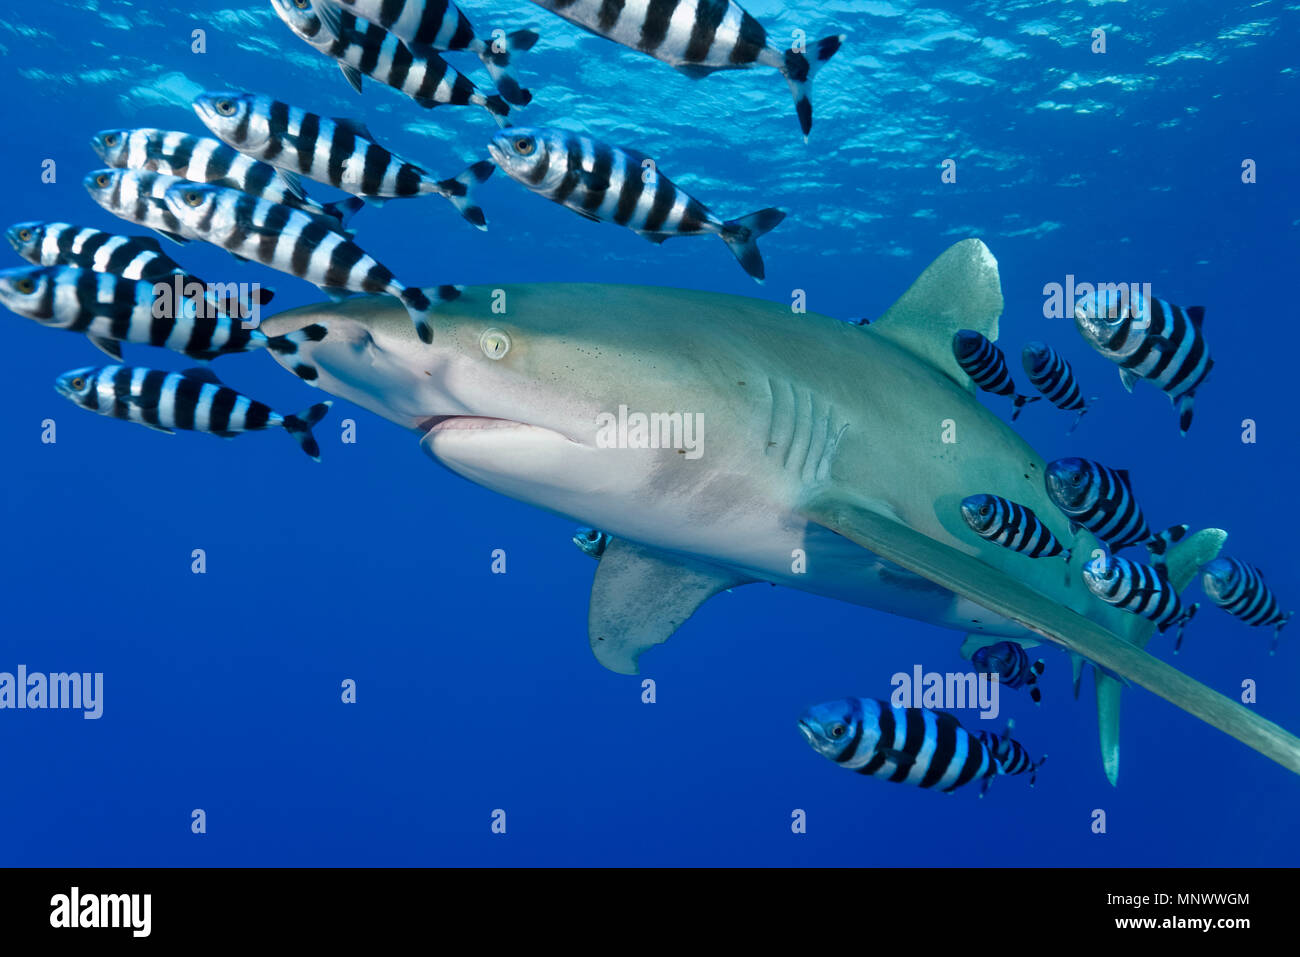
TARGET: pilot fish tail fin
(800,68)
(496,56)
(420,303)
(741,236)
(459,191)
(1018,402)
(299,426)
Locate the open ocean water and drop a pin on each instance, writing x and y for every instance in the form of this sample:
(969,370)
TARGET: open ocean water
(477,692)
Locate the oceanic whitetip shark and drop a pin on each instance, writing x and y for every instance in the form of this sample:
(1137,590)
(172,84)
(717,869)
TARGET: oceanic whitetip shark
(855,445)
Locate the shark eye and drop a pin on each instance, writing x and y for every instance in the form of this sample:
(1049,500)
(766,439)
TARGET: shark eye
(78,384)
(524,146)
(25,285)
(101,179)
(495,343)
(193,198)
(225,107)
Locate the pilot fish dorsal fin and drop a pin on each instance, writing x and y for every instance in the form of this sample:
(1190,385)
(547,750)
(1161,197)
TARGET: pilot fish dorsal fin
(640,596)
(959,290)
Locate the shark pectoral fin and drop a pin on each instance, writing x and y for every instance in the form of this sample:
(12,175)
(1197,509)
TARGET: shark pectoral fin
(959,290)
(998,592)
(976,640)
(640,596)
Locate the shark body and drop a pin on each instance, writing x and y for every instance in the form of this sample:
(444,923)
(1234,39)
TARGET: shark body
(831,458)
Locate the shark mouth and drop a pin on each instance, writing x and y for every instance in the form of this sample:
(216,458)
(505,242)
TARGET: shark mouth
(442,424)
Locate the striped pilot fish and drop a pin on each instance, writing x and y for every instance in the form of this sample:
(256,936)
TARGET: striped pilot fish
(1011,525)
(1012,756)
(313,248)
(1010,662)
(987,366)
(1150,339)
(592,542)
(362,49)
(109,309)
(195,400)
(611,185)
(203,159)
(339,152)
(137,197)
(435,26)
(929,749)
(1052,375)
(699,37)
(1239,589)
(1141,589)
(1099,499)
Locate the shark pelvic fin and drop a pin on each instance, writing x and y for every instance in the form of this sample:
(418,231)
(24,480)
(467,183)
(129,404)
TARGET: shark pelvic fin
(640,596)
(1002,594)
(959,290)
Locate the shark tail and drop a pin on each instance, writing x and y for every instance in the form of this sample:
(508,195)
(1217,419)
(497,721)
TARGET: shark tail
(741,236)
(799,70)
(496,54)
(299,426)
(459,191)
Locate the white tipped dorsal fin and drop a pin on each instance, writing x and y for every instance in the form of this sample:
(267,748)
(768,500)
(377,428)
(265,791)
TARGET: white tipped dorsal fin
(959,290)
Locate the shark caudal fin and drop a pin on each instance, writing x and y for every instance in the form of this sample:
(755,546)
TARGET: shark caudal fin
(799,70)
(299,426)
(959,290)
(496,54)
(459,191)
(741,236)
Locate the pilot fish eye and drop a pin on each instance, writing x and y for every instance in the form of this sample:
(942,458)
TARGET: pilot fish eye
(193,199)
(838,731)
(524,146)
(25,285)
(1076,479)
(495,343)
(24,234)
(78,383)
(101,179)
(985,510)
(110,139)
(302,4)
(225,107)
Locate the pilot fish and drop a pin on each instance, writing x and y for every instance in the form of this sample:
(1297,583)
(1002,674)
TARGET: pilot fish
(367,49)
(1011,525)
(287,239)
(1150,339)
(987,366)
(1239,589)
(1009,661)
(699,37)
(339,152)
(607,184)
(592,542)
(1098,498)
(203,159)
(137,197)
(1052,375)
(929,749)
(194,400)
(435,26)
(109,310)
(1011,755)
(1141,589)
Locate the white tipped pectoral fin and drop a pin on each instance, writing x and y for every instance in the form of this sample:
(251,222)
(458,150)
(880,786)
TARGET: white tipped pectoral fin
(640,596)
(998,592)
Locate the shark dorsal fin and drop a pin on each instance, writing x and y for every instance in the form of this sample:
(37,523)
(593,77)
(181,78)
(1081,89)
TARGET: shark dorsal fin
(959,290)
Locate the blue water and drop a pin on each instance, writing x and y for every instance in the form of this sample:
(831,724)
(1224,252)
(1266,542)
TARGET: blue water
(478,691)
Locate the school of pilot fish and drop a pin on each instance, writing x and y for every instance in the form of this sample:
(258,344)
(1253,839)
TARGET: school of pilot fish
(238,184)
